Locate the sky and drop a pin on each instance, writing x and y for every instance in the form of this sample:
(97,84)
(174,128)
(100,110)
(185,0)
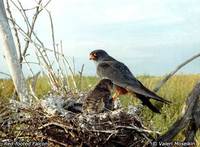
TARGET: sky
(150,37)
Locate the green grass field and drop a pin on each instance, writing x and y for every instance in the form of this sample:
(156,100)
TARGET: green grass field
(175,90)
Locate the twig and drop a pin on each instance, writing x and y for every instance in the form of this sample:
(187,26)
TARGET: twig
(29,62)
(31,29)
(20,10)
(51,74)
(137,129)
(15,29)
(31,26)
(28,65)
(72,74)
(54,48)
(80,77)
(3,73)
(162,82)
(72,128)
(65,67)
(74,66)
(52,34)
(33,85)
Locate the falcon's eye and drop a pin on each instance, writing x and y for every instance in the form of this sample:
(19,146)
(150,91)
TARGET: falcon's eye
(93,56)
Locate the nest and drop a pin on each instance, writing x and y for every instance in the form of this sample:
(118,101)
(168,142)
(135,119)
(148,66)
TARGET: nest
(50,123)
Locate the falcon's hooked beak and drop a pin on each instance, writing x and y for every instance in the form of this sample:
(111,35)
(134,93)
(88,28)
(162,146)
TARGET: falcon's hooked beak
(93,56)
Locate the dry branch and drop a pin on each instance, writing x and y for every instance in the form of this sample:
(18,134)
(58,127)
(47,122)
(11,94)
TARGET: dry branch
(162,82)
(191,117)
(6,74)
(15,29)
(11,56)
(55,80)
(29,33)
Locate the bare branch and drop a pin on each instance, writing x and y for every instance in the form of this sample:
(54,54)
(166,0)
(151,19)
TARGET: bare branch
(3,73)
(33,85)
(29,33)
(52,34)
(11,56)
(15,29)
(162,82)
(81,76)
(21,11)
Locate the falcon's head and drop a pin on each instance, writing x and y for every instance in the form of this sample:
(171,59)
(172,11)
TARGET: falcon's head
(98,55)
(105,84)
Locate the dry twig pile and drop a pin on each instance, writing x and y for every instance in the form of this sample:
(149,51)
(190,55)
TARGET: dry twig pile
(63,128)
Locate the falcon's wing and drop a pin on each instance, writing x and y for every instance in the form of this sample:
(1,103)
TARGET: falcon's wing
(117,72)
(120,75)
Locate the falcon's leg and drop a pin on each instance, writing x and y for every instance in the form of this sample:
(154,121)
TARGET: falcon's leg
(119,91)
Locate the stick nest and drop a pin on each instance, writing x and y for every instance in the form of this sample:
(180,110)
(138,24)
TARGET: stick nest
(40,125)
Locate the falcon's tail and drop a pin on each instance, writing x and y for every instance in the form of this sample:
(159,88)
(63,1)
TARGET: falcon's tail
(142,90)
(146,102)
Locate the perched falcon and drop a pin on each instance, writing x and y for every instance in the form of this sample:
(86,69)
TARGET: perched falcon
(99,98)
(123,79)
